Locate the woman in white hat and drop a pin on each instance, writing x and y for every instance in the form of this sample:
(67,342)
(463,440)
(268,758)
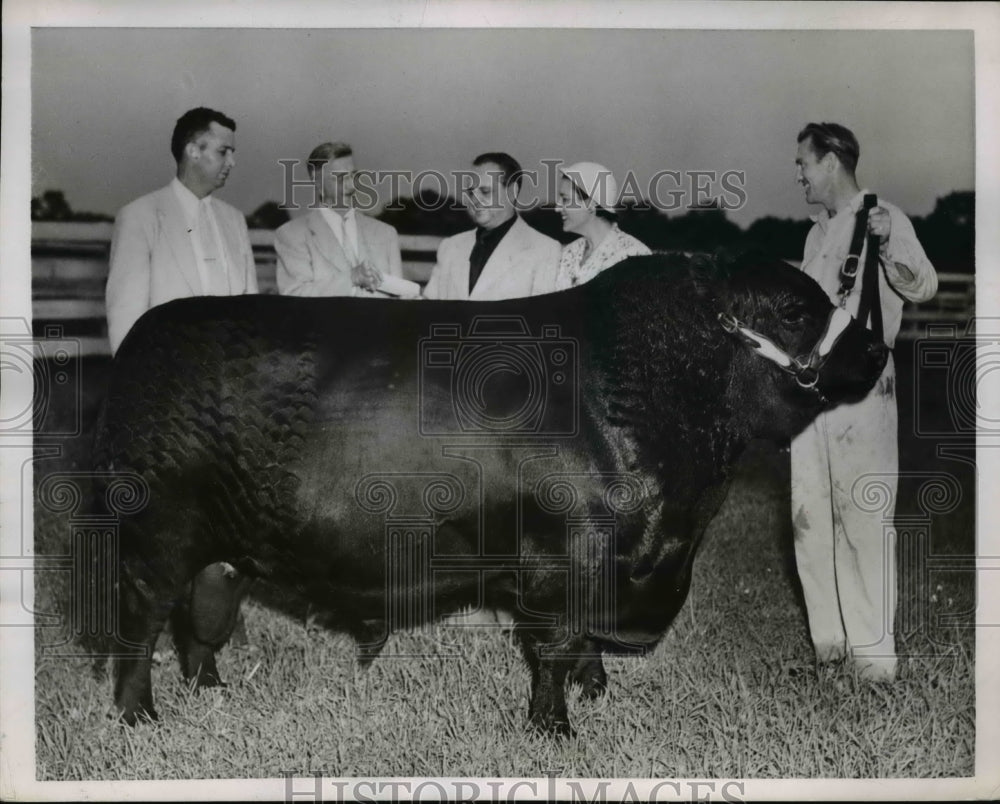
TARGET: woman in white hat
(586,201)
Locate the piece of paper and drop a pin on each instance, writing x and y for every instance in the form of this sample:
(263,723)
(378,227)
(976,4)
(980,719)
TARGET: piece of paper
(397,286)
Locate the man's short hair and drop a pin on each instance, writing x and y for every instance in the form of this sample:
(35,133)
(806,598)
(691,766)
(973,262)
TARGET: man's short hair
(326,152)
(192,124)
(827,137)
(510,169)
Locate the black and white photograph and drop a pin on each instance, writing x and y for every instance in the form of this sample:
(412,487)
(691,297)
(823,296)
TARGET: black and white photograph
(480,401)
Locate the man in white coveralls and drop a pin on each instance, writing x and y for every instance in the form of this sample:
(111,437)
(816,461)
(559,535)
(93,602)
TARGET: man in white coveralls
(844,544)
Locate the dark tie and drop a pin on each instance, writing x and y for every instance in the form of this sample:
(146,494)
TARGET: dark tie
(478,257)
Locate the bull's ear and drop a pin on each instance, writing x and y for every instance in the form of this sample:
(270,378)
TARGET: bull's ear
(741,271)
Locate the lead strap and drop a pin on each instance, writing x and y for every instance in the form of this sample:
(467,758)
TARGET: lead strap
(849,270)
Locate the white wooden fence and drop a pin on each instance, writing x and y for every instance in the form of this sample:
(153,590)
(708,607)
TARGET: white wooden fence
(69,268)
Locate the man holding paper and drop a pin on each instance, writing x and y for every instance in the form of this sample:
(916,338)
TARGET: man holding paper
(337,250)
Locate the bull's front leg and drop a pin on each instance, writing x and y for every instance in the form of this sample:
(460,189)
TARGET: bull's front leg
(550,667)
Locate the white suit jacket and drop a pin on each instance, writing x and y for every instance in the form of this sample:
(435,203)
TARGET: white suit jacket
(311,261)
(524,263)
(153,261)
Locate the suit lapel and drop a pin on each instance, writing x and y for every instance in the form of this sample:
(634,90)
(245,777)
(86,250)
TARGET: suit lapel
(367,236)
(173,224)
(234,256)
(497,271)
(460,274)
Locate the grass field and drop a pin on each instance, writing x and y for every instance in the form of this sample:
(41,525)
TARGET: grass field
(730,691)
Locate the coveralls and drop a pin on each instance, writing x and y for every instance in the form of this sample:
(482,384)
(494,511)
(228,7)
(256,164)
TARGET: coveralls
(845,464)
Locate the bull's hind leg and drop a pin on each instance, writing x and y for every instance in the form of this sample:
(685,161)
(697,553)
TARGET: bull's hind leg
(207,619)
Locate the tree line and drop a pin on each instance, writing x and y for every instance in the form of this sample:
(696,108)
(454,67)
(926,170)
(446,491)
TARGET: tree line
(947,233)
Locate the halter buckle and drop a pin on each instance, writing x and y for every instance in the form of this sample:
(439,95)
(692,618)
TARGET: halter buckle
(728,322)
(807,377)
(849,271)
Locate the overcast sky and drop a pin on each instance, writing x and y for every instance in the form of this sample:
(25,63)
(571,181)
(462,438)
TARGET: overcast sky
(104,102)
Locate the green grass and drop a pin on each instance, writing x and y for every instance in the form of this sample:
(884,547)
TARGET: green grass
(724,695)
(718,697)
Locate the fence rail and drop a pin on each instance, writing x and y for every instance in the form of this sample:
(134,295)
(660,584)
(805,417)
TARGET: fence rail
(69,268)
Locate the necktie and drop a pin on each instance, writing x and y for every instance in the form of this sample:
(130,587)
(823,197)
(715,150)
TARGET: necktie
(216,279)
(479,256)
(350,239)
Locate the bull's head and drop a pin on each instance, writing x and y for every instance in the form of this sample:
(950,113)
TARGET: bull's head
(816,354)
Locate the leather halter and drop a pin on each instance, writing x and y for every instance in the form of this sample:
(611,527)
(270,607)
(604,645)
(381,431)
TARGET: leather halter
(804,368)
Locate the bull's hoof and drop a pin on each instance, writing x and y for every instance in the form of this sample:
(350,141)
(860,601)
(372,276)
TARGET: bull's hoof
(239,638)
(594,688)
(591,677)
(133,716)
(366,656)
(551,726)
(207,681)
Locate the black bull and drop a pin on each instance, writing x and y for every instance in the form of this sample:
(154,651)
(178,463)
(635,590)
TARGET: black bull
(558,457)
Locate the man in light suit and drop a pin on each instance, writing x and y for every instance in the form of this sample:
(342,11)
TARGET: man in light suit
(503,257)
(179,241)
(335,250)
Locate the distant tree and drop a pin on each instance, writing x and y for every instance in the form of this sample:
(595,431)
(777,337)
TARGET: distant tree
(268,215)
(948,234)
(429,213)
(706,230)
(53,206)
(91,217)
(546,220)
(783,238)
(647,224)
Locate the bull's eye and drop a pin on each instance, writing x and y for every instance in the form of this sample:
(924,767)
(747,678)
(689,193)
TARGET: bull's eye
(793,318)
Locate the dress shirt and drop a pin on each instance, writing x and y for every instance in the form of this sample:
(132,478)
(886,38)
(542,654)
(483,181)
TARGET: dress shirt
(615,247)
(828,243)
(198,212)
(345,229)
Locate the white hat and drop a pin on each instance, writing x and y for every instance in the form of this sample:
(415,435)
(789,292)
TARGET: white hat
(596,181)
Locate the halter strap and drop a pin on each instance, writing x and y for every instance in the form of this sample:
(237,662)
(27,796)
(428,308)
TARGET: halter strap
(849,270)
(805,368)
